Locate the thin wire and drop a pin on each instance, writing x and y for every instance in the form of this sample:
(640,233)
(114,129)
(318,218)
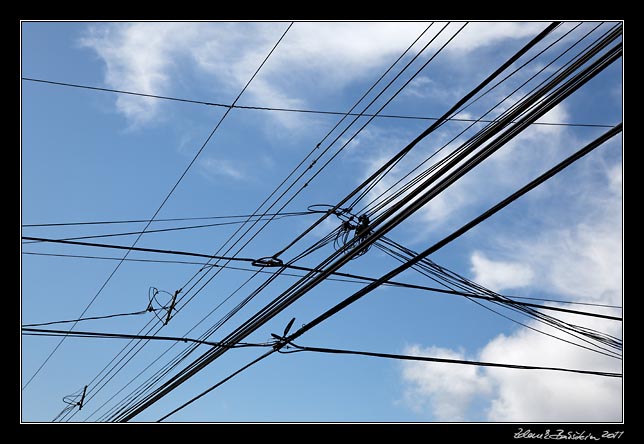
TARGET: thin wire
(170,386)
(299,348)
(278,348)
(160,230)
(428,131)
(506,303)
(384,74)
(291,110)
(104,335)
(432,168)
(352,278)
(194,159)
(176,219)
(93,318)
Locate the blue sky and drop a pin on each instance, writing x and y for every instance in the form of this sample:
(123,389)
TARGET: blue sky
(90,155)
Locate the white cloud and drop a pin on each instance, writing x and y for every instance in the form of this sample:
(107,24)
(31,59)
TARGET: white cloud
(424,87)
(313,59)
(222,168)
(523,395)
(451,388)
(581,262)
(481,34)
(500,275)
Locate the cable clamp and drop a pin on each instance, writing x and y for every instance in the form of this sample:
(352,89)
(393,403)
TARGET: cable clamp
(269,261)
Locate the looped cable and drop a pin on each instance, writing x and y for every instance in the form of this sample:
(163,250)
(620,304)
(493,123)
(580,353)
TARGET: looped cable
(344,214)
(155,305)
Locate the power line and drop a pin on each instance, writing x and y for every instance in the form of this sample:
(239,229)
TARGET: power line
(278,348)
(351,278)
(465,228)
(299,348)
(147,250)
(165,230)
(191,372)
(452,111)
(348,301)
(28,331)
(276,306)
(299,288)
(355,277)
(176,219)
(293,110)
(302,162)
(93,318)
(428,171)
(451,279)
(194,159)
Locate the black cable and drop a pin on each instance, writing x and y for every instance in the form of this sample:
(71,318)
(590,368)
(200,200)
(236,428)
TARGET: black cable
(432,168)
(426,266)
(402,153)
(465,228)
(102,335)
(382,76)
(228,378)
(299,348)
(176,219)
(290,110)
(147,250)
(561,93)
(160,230)
(93,318)
(274,308)
(358,279)
(194,159)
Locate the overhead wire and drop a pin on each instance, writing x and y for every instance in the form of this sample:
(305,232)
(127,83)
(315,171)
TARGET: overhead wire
(302,162)
(175,219)
(29,331)
(450,279)
(402,153)
(290,110)
(298,349)
(372,210)
(358,279)
(161,230)
(94,318)
(275,307)
(304,288)
(186,171)
(164,201)
(606,60)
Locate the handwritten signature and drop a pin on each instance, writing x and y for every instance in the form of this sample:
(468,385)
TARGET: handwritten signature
(562,434)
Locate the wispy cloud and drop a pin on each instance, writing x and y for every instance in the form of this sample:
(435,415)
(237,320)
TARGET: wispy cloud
(213,167)
(315,59)
(447,390)
(500,275)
